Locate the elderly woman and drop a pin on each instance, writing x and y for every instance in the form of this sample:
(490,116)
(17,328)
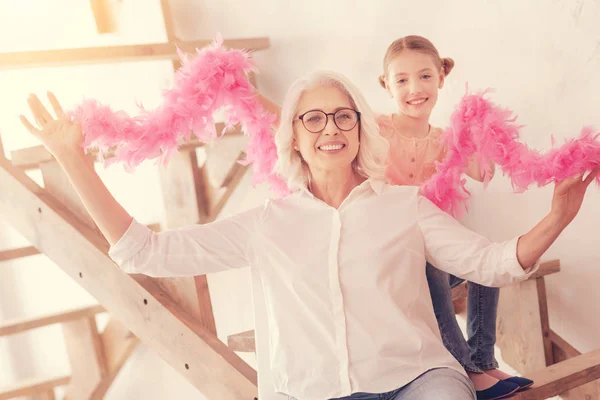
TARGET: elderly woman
(342,259)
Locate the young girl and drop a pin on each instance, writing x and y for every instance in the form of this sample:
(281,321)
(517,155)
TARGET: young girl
(413,74)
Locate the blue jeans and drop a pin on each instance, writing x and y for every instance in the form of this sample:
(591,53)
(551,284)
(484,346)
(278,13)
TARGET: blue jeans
(438,384)
(476,354)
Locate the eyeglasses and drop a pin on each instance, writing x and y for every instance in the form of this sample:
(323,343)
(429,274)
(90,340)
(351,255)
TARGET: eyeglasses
(316,120)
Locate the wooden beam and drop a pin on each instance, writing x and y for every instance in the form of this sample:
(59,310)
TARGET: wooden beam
(546,268)
(459,298)
(12,254)
(105,21)
(31,387)
(559,378)
(2,154)
(200,357)
(169,27)
(544,320)
(49,395)
(114,54)
(86,356)
(118,343)
(567,350)
(22,325)
(242,342)
(32,157)
(519,335)
(231,182)
(561,351)
(168,20)
(182,202)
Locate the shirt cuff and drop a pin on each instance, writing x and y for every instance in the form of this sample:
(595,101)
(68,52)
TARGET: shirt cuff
(130,243)
(513,266)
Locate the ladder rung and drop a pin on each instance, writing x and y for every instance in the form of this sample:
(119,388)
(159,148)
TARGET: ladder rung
(6,255)
(32,387)
(22,325)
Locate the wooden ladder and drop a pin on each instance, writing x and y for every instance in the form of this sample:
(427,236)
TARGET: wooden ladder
(172,316)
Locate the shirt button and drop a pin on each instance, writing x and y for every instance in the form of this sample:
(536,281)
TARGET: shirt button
(412,159)
(411,175)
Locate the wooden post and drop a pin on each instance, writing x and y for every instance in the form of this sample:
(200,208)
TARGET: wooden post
(169,27)
(105,22)
(184,204)
(544,320)
(200,357)
(86,355)
(518,331)
(562,351)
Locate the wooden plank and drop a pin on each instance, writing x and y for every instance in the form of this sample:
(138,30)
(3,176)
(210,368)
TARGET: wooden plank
(519,334)
(49,395)
(181,200)
(559,378)
(118,343)
(459,298)
(103,16)
(168,20)
(169,27)
(544,320)
(12,254)
(32,157)
(546,268)
(178,187)
(2,154)
(562,350)
(22,325)
(252,78)
(242,342)
(231,182)
(567,350)
(199,356)
(205,193)
(31,387)
(114,54)
(86,356)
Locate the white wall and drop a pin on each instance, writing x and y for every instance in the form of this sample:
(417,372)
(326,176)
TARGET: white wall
(541,57)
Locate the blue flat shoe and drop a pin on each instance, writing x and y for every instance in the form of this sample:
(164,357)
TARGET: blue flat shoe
(523,383)
(500,390)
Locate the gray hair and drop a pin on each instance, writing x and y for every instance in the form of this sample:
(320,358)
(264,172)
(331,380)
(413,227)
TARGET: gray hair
(372,152)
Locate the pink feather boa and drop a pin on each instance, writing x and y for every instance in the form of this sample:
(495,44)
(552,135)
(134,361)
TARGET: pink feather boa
(482,129)
(217,78)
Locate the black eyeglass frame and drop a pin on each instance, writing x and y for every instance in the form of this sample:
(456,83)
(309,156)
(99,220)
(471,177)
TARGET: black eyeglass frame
(300,117)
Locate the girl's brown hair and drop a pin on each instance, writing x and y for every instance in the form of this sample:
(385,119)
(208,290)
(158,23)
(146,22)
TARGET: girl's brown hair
(416,43)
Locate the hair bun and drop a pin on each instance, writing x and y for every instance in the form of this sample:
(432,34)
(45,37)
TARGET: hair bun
(447,65)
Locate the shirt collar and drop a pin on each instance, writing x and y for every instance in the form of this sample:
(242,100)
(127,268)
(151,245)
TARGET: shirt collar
(375,184)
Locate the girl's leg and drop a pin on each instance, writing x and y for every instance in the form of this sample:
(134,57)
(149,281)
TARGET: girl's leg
(440,284)
(482,307)
(452,336)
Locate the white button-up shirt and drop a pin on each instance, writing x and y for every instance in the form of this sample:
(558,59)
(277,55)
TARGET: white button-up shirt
(347,299)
